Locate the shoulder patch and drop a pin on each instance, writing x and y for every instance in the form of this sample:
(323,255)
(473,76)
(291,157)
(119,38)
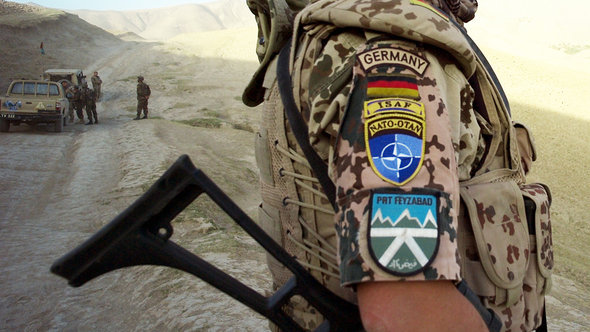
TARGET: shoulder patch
(403,232)
(395,131)
(392,56)
(392,85)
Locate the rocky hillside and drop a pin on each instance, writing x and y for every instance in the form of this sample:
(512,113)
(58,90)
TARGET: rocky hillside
(68,41)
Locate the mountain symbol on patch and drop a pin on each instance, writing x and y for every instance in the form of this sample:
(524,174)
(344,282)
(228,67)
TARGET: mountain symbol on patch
(405,220)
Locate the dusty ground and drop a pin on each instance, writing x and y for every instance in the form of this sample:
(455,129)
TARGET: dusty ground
(56,189)
(59,188)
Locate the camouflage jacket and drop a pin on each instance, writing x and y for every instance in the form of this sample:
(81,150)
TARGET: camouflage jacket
(143,91)
(77,96)
(96,81)
(88,96)
(429,169)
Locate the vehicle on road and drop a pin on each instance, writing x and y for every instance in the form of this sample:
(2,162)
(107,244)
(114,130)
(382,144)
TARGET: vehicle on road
(75,76)
(32,102)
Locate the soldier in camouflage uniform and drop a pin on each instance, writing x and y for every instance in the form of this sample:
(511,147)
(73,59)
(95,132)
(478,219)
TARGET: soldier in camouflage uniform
(89,101)
(78,104)
(429,168)
(143,94)
(69,90)
(96,85)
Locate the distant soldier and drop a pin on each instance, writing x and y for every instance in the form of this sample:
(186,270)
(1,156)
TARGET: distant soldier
(69,90)
(143,94)
(89,98)
(78,104)
(96,84)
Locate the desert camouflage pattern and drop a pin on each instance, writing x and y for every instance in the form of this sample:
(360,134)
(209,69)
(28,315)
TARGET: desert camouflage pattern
(472,152)
(462,10)
(506,260)
(143,91)
(355,179)
(294,210)
(70,93)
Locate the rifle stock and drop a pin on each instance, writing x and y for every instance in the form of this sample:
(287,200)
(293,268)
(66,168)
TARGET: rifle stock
(140,235)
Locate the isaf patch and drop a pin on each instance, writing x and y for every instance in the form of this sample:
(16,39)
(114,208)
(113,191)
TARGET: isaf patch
(403,233)
(395,130)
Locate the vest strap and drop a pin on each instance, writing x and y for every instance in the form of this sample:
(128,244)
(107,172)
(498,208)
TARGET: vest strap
(300,130)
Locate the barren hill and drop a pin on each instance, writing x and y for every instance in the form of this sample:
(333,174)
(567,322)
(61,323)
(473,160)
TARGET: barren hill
(56,189)
(168,22)
(69,41)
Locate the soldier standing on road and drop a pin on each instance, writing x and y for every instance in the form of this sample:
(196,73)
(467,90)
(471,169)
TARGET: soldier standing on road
(143,94)
(89,97)
(78,104)
(69,90)
(96,85)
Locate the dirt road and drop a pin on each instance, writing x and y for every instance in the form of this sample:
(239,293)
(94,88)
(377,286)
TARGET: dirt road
(59,188)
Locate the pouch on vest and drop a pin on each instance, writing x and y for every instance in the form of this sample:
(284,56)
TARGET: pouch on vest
(507,246)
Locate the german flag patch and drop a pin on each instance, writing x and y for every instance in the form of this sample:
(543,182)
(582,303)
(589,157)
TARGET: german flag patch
(380,85)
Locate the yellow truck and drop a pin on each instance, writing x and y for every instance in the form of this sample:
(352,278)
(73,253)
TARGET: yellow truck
(32,102)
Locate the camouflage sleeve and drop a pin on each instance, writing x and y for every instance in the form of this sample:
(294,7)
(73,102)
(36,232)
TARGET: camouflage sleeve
(324,80)
(401,133)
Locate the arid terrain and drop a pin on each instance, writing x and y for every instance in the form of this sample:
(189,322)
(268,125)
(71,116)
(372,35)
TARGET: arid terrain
(57,189)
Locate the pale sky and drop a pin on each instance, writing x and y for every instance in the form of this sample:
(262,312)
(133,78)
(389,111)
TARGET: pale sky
(110,4)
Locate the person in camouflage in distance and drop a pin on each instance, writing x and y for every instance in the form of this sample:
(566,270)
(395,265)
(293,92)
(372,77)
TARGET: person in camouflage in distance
(143,94)
(89,100)
(96,85)
(69,90)
(426,164)
(78,103)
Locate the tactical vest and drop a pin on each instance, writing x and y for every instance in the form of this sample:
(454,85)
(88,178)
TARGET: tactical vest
(504,224)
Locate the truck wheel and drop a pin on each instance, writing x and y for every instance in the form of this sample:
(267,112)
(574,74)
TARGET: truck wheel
(59,125)
(4,125)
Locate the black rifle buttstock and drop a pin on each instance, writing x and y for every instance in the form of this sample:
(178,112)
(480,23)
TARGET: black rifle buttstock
(140,235)
(146,222)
